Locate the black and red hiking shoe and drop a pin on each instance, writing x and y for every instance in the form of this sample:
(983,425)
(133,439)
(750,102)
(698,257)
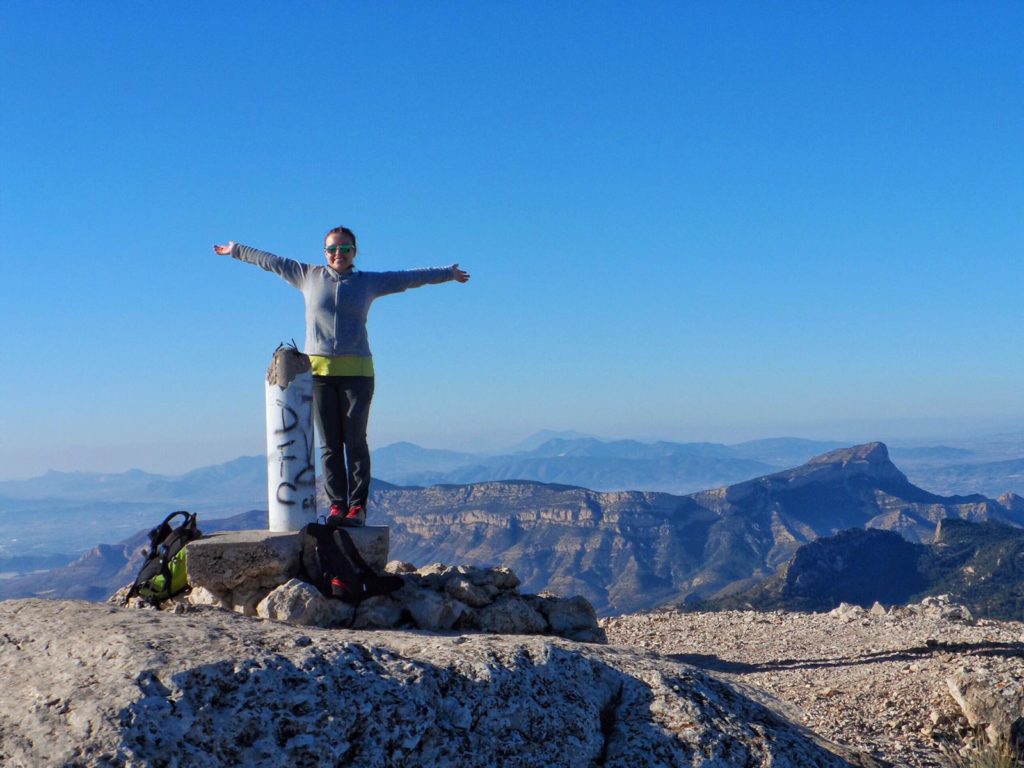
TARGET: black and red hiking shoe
(354,518)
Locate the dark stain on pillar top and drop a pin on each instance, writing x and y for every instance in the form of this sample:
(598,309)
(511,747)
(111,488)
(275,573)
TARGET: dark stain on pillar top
(286,364)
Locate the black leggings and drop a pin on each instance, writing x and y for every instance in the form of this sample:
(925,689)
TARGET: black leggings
(341,409)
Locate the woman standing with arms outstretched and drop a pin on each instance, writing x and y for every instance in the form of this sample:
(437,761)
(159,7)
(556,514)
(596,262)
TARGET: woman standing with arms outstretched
(338,298)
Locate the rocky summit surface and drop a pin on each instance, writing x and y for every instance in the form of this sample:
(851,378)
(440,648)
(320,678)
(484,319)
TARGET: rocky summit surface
(918,685)
(88,684)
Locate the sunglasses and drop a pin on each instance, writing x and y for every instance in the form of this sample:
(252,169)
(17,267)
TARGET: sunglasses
(345,249)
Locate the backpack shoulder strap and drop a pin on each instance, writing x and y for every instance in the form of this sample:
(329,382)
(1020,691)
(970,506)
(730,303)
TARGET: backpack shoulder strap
(350,550)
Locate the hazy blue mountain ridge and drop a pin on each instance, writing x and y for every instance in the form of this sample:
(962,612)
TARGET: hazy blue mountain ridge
(784,451)
(64,513)
(989,477)
(686,467)
(239,481)
(587,462)
(404,458)
(629,550)
(67,512)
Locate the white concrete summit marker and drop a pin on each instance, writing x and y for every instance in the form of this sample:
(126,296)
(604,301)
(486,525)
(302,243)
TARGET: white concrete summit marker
(291,477)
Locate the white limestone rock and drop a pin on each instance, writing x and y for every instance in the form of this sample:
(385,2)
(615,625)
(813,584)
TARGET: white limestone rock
(573,618)
(436,597)
(433,610)
(295,602)
(203,596)
(247,597)
(435,575)
(213,688)
(501,578)
(847,612)
(511,615)
(992,704)
(465,591)
(382,611)
(222,562)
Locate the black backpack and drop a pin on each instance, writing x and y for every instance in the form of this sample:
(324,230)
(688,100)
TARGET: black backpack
(163,573)
(332,564)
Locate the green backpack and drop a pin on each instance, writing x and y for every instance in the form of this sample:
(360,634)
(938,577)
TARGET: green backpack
(163,572)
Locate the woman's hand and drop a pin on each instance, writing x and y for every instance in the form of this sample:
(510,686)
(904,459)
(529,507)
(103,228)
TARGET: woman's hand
(460,275)
(225,250)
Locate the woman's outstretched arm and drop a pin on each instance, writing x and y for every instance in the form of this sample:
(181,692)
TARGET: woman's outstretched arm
(396,282)
(292,271)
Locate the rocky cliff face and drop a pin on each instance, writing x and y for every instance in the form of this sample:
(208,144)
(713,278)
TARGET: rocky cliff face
(94,685)
(979,565)
(856,566)
(617,549)
(1012,503)
(627,551)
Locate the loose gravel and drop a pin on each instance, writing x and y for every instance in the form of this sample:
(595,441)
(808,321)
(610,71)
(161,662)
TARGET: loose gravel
(873,681)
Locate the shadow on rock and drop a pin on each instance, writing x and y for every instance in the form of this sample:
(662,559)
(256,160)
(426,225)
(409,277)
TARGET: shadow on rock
(535,705)
(713,663)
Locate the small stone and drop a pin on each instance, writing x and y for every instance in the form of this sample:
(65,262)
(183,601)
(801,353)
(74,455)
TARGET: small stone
(847,612)
(204,596)
(338,614)
(380,611)
(432,610)
(957,613)
(569,616)
(121,596)
(436,575)
(512,616)
(465,591)
(247,597)
(294,602)
(503,578)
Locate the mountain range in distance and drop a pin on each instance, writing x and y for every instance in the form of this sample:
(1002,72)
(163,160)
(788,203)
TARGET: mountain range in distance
(63,514)
(682,468)
(624,550)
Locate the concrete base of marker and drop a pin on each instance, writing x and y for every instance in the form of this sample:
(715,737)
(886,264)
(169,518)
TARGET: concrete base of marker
(239,568)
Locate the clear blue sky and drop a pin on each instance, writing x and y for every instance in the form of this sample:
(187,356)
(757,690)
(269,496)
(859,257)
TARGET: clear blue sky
(683,220)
